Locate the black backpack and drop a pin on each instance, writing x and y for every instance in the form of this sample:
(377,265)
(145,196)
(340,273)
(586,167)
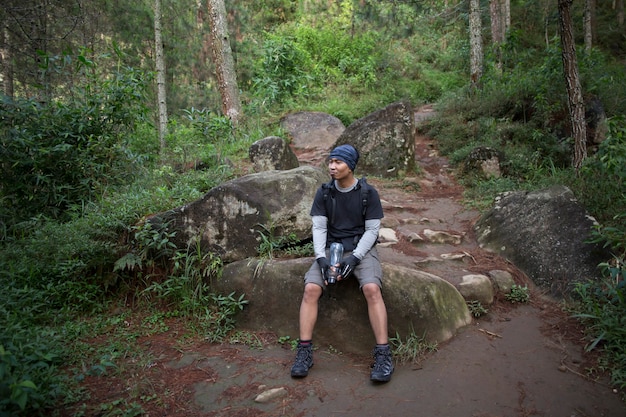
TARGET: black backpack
(363,186)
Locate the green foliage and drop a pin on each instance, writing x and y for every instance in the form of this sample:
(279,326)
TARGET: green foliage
(272,245)
(221,321)
(121,408)
(518,294)
(602,308)
(51,272)
(215,128)
(286,70)
(288,341)
(412,348)
(339,56)
(63,153)
(29,377)
(299,59)
(476,308)
(188,284)
(602,181)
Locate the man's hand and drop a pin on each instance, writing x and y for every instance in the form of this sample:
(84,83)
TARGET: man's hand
(324,267)
(347,266)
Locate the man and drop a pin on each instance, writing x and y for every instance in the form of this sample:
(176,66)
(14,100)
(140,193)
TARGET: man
(341,213)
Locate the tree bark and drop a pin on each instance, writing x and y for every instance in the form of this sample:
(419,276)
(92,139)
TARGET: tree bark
(588,23)
(224,62)
(476,44)
(619,9)
(506,5)
(497,21)
(497,30)
(6,60)
(160,70)
(574,90)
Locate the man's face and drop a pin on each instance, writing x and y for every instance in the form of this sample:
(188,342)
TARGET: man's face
(338,169)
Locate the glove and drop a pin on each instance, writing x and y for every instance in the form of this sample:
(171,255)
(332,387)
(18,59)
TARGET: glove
(324,267)
(347,266)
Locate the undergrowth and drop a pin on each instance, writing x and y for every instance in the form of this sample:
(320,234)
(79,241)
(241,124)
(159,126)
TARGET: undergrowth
(412,348)
(601,307)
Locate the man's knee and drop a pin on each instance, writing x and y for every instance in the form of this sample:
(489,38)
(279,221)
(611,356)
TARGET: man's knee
(312,293)
(372,291)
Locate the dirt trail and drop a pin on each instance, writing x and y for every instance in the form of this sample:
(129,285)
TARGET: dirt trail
(517,361)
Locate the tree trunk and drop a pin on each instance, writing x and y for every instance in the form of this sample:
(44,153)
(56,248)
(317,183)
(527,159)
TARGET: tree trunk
(476,44)
(160,70)
(497,30)
(497,22)
(619,6)
(6,60)
(572,81)
(224,62)
(588,20)
(506,5)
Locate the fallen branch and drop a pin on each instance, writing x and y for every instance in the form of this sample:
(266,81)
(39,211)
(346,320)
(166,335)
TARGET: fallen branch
(490,333)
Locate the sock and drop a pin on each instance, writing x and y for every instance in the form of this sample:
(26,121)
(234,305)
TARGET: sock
(306,342)
(385,346)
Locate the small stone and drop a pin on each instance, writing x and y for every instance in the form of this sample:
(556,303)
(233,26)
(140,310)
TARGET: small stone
(270,395)
(437,236)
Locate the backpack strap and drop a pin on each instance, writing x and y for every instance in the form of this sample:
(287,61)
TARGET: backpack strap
(327,188)
(365,191)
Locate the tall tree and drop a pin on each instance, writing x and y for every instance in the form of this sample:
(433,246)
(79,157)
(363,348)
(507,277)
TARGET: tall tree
(619,8)
(6,60)
(224,62)
(476,43)
(497,29)
(506,6)
(575,101)
(496,11)
(160,70)
(589,18)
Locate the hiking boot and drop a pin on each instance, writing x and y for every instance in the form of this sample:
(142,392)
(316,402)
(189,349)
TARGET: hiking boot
(382,368)
(304,361)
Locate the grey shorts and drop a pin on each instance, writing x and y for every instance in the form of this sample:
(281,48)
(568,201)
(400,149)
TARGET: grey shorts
(367,271)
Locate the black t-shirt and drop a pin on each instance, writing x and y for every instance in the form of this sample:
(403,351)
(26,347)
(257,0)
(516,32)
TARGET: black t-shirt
(346,223)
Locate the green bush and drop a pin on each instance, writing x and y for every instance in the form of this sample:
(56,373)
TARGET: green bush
(30,380)
(286,70)
(602,181)
(339,56)
(602,308)
(299,59)
(63,153)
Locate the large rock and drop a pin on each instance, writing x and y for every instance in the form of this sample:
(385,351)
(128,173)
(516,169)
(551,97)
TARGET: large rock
(417,302)
(272,153)
(228,219)
(544,234)
(310,130)
(484,161)
(385,140)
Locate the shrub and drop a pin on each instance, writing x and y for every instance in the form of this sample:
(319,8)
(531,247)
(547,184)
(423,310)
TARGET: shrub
(64,152)
(518,294)
(602,308)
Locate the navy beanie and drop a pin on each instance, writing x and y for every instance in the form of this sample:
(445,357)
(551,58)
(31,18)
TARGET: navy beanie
(347,154)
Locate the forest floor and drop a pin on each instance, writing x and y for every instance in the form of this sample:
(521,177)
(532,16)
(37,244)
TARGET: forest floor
(518,360)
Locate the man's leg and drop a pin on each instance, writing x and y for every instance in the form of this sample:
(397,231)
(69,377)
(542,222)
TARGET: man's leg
(308,317)
(308,310)
(377,311)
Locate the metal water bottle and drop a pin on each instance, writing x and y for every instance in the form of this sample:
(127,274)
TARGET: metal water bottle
(336,255)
